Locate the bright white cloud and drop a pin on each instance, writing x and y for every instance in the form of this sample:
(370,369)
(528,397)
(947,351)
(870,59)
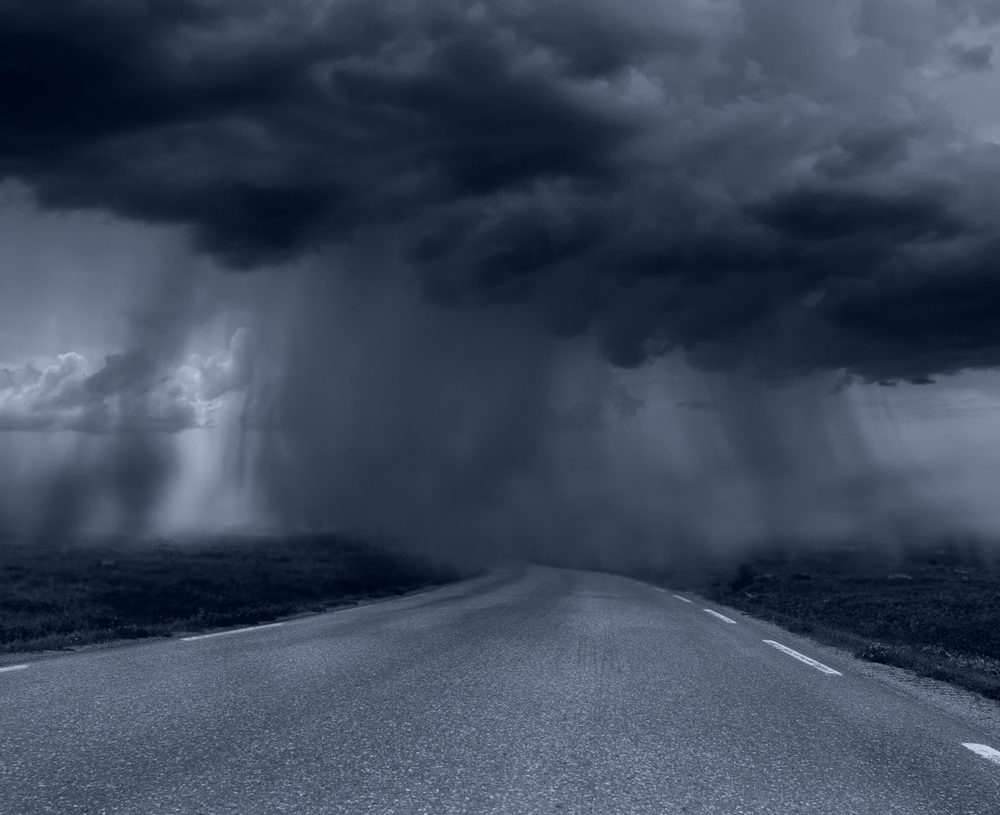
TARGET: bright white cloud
(125,393)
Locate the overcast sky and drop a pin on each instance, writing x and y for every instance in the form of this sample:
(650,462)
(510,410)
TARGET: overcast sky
(765,190)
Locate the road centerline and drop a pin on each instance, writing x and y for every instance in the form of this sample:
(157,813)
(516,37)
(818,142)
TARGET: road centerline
(819,666)
(682,599)
(983,750)
(9,668)
(231,631)
(722,617)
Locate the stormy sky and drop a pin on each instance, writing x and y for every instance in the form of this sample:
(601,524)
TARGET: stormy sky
(573,269)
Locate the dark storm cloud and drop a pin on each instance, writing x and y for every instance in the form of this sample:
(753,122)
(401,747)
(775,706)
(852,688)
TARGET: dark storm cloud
(748,182)
(973,58)
(932,321)
(697,404)
(819,215)
(870,149)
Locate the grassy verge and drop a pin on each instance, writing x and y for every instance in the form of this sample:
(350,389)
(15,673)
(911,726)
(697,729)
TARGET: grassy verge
(934,611)
(54,598)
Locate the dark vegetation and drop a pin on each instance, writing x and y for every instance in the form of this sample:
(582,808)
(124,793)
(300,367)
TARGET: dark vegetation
(63,596)
(935,610)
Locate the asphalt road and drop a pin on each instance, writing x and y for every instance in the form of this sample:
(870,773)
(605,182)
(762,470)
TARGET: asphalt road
(527,691)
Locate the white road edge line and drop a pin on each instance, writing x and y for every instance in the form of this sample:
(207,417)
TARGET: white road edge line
(231,631)
(682,599)
(819,666)
(722,617)
(8,668)
(983,750)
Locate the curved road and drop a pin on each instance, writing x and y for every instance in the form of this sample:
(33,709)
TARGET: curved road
(526,691)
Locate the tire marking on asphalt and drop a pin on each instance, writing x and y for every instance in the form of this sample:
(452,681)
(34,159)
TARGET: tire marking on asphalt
(819,666)
(231,631)
(983,750)
(8,668)
(682,599)
(722,617)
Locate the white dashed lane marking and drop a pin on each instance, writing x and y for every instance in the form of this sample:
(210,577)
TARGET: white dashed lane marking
(982,750)
(232,631)
(722,617)
(682,599)
(819,666)
(8,668)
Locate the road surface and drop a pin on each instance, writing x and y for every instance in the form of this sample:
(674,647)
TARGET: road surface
(525,691)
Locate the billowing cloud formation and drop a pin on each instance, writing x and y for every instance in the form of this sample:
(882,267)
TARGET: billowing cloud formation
(128,393)
(768,185)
